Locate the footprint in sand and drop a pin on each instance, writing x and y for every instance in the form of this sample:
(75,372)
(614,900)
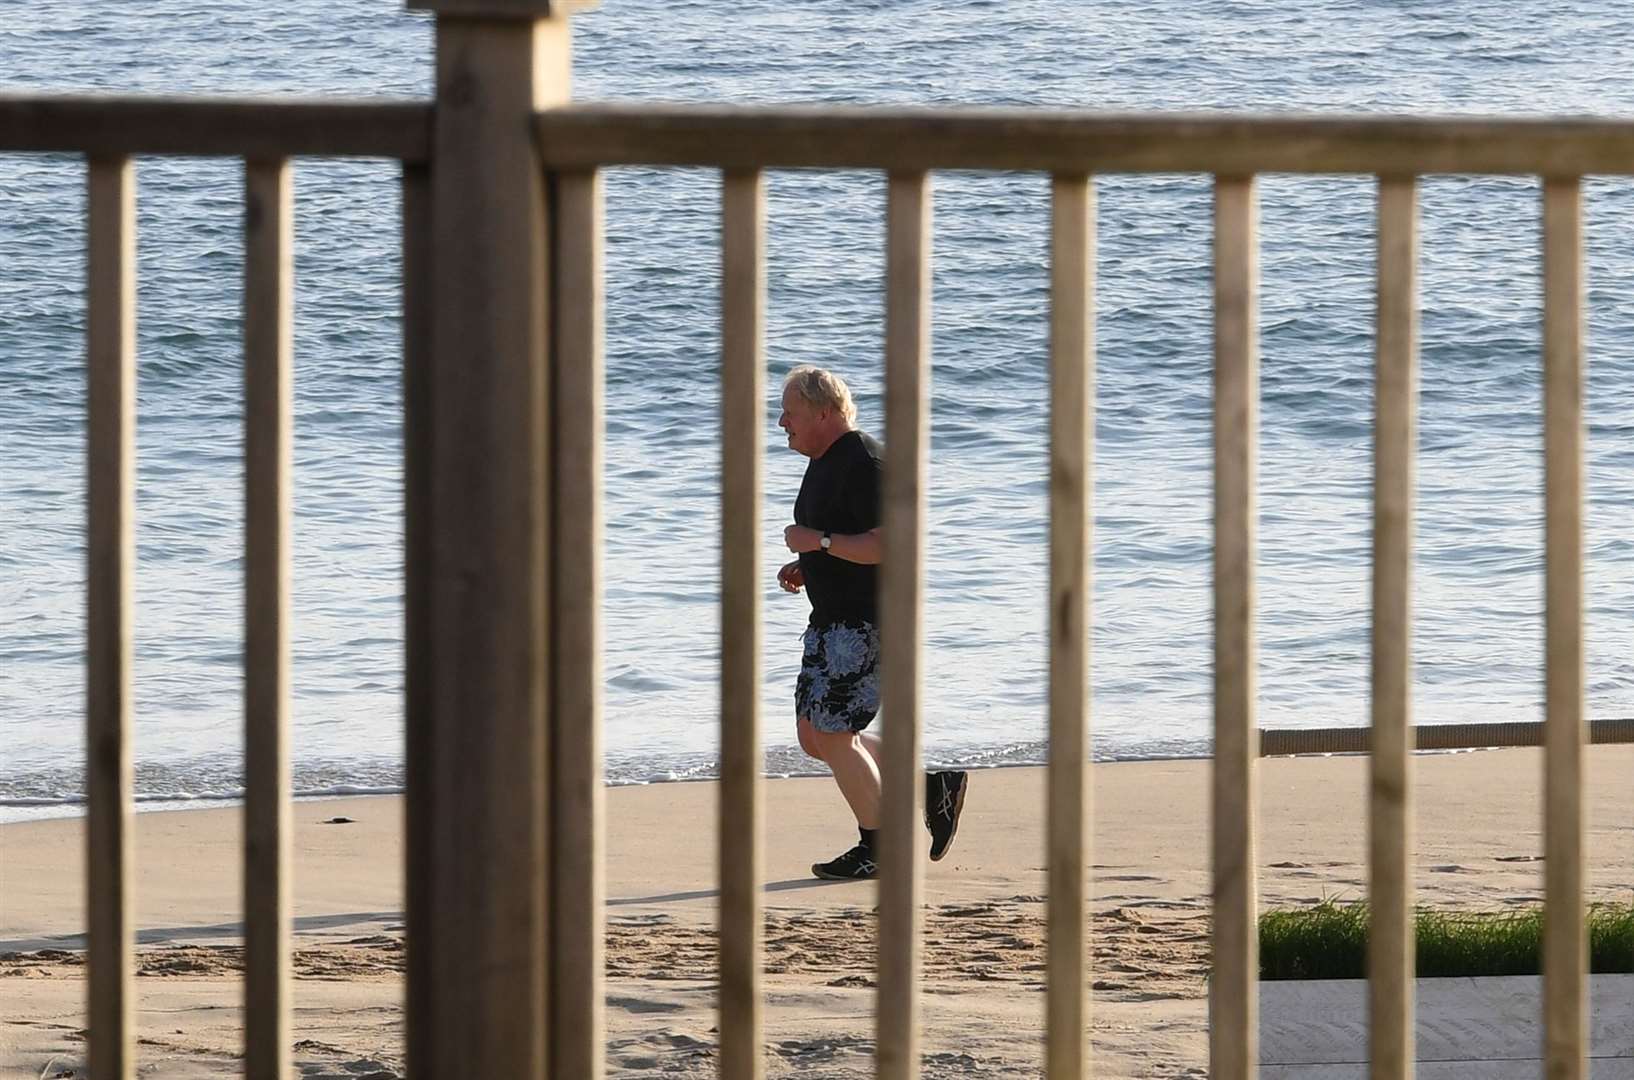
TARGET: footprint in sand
(810,1050)
(1169,905)
(852,981)
(654,919)
(962,1061)
(639,1062)
(643,1005)
(362,1069)
(969,912)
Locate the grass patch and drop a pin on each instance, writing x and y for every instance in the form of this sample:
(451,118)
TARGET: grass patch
(1329,941)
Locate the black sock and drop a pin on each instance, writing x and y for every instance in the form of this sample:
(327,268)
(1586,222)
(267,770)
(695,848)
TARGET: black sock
(868,838)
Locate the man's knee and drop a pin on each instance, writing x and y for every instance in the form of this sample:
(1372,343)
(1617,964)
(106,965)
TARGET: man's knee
(808,737)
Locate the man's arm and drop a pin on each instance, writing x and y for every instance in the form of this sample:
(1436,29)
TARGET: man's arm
(866,548)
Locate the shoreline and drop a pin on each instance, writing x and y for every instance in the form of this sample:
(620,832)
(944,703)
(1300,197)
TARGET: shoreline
(37,809)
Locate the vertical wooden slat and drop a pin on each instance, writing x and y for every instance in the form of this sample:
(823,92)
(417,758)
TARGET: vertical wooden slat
(484,917)
(418,813)
(1565,948)
(110,485)
(907,436)
(1072,276)
(1233,1004)
(577,890)
(743,413)
(1390,944)
(267,375)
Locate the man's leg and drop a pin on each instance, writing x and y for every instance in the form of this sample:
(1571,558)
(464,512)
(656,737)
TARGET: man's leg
(875,746)
(807,737)
(854,769)
(944,797)
(838,694)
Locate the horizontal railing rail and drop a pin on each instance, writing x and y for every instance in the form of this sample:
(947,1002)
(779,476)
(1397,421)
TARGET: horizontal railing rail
(793,137)
(787,137)
(262,128)
(1288,742)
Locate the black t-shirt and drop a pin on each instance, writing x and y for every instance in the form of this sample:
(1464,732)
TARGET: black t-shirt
(840,494)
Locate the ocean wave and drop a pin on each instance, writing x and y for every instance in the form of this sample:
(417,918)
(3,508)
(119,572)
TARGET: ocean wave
(143,798)
(34,792)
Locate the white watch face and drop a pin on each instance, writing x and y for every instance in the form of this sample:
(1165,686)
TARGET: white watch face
(826,540)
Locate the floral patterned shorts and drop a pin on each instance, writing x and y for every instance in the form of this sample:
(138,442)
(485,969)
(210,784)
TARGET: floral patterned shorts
(838,687)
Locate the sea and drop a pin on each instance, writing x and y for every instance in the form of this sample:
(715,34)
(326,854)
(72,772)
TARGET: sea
(1477,619)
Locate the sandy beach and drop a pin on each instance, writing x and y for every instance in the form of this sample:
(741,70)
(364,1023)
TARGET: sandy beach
(1478,846)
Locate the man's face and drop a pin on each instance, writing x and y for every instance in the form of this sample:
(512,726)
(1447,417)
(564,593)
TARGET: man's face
(801,421)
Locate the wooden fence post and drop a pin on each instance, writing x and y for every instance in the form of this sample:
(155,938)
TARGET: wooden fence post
(478,691)
(110,495)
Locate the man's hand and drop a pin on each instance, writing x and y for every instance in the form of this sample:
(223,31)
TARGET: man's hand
(791,578)
(801,540)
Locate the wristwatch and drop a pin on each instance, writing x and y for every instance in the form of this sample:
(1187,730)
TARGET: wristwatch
(828,538)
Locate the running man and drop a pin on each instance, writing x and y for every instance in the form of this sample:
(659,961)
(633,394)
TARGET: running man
(837,538)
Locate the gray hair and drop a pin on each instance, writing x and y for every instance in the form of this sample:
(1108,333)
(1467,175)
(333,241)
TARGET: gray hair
(822,390)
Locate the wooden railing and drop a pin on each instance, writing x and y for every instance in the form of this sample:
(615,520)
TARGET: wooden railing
(904,145)
(502,298)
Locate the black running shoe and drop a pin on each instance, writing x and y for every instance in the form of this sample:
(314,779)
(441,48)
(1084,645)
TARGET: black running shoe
(944,802)
(855,865)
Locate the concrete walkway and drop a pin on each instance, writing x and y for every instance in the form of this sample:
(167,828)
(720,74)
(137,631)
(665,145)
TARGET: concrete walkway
(1467,1029)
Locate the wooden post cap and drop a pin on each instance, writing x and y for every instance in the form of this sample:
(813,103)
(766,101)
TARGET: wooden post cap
(502,9)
